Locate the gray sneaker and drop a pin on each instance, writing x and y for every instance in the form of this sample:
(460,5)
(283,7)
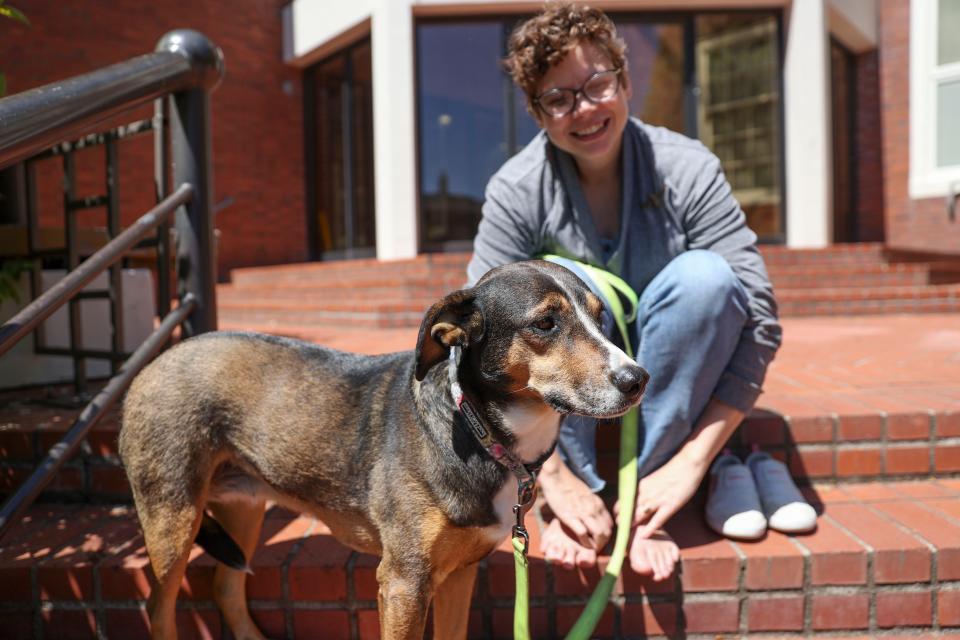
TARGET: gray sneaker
(783,504)
(733,506)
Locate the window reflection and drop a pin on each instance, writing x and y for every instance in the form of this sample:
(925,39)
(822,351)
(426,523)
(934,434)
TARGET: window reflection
(462,127)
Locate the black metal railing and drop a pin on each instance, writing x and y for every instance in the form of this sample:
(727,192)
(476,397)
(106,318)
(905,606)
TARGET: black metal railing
(178,76)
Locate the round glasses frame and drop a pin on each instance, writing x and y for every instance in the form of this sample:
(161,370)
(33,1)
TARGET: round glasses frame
(576,93)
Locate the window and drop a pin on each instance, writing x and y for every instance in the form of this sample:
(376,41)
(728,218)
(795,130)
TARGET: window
(739,110)
(471,118)
(934,98)
(339,154)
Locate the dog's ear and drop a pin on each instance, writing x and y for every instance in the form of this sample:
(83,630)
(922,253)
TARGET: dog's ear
(456,320)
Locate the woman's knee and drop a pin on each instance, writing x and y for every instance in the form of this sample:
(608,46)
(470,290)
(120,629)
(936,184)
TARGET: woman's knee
(700,279)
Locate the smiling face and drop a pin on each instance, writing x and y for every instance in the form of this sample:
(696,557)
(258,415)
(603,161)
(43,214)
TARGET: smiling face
(593,132)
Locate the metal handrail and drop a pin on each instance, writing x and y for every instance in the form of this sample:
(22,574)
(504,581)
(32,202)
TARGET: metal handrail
(41,308)
(182,72)
(34,120)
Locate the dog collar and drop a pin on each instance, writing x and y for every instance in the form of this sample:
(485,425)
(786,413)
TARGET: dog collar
(526,477)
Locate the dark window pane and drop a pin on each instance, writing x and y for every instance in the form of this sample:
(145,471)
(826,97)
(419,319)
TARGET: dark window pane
(364,225)
(462,127)
(329,154)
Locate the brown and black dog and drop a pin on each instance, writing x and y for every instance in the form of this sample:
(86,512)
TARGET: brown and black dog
(374,446)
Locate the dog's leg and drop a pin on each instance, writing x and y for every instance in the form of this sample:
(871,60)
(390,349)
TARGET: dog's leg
(404,597)
(451,604)
(243,521)
(168,532)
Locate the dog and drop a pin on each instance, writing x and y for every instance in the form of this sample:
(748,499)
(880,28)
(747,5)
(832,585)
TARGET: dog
(374,446)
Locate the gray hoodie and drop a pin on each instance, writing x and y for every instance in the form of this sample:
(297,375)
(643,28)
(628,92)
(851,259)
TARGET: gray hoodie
(675,198)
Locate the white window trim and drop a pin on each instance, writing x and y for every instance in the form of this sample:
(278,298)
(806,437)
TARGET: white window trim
(926,179)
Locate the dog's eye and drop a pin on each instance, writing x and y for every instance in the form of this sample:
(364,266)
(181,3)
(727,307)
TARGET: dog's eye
(545,324)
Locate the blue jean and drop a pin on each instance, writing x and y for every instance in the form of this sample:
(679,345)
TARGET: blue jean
(688,324)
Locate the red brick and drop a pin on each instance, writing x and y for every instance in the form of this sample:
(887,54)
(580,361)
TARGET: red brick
(908,426)
(835,557)
(898,556)
(368,623)
(66,583)
(721,615)
(947,424)
(69,624)
(948,606)
(812,463)
(198,624)
(777,613)
(811,429)
(907,460)
(933,528)
(710,563)
(334,625)
(946,458)
(772,563)
(859,462)
(904,609)
(649,619)
(127,623)
(318,572)
(840,611)
(503,623)
(18,624)
(566,617)
(860,427)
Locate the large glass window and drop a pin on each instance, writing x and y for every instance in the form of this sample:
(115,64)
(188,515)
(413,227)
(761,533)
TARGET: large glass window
(739,110)
(934,98)
(340,155)
(472,118)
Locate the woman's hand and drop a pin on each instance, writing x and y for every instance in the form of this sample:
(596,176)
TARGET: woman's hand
(580,510)
(664,492)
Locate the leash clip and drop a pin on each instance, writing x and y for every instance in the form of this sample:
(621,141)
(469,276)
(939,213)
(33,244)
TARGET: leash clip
(519,531)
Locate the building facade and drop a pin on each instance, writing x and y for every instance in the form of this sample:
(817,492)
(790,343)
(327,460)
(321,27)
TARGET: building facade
(370,128)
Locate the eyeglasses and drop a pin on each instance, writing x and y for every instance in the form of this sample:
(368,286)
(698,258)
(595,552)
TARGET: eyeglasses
(600,87)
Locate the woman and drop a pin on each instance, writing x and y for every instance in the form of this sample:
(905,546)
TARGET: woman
(653,207)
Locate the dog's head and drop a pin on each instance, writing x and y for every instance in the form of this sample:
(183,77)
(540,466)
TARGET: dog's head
(531,331)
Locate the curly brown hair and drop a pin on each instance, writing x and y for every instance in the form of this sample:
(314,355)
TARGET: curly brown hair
(545,39)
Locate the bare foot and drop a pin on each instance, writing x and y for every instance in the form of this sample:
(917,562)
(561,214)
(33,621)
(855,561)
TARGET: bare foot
(561,548)
(583,514)
(656,556)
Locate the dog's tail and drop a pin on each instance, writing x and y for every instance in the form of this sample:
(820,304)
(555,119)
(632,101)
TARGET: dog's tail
(215,540)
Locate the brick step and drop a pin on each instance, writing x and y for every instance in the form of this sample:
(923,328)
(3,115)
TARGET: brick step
(900,274)
(367,290)
(282,309)
(935,298)
(885,559)
(837,254)
(864,444)
(356,314)
(452,265)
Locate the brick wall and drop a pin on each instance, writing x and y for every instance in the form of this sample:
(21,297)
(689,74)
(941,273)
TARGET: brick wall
(910,224)
(257,112)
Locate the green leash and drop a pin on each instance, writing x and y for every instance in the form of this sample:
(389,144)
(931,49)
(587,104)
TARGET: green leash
(610,285)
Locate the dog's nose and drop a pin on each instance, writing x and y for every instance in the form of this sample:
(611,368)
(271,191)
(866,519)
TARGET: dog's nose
(630,380)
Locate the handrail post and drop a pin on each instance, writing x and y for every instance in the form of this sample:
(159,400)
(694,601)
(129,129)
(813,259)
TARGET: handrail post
(190,138)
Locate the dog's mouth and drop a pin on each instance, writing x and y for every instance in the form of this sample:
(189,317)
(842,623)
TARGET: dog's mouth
(564,406)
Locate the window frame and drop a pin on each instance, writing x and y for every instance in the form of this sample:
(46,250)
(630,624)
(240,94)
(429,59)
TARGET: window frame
(926,179)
